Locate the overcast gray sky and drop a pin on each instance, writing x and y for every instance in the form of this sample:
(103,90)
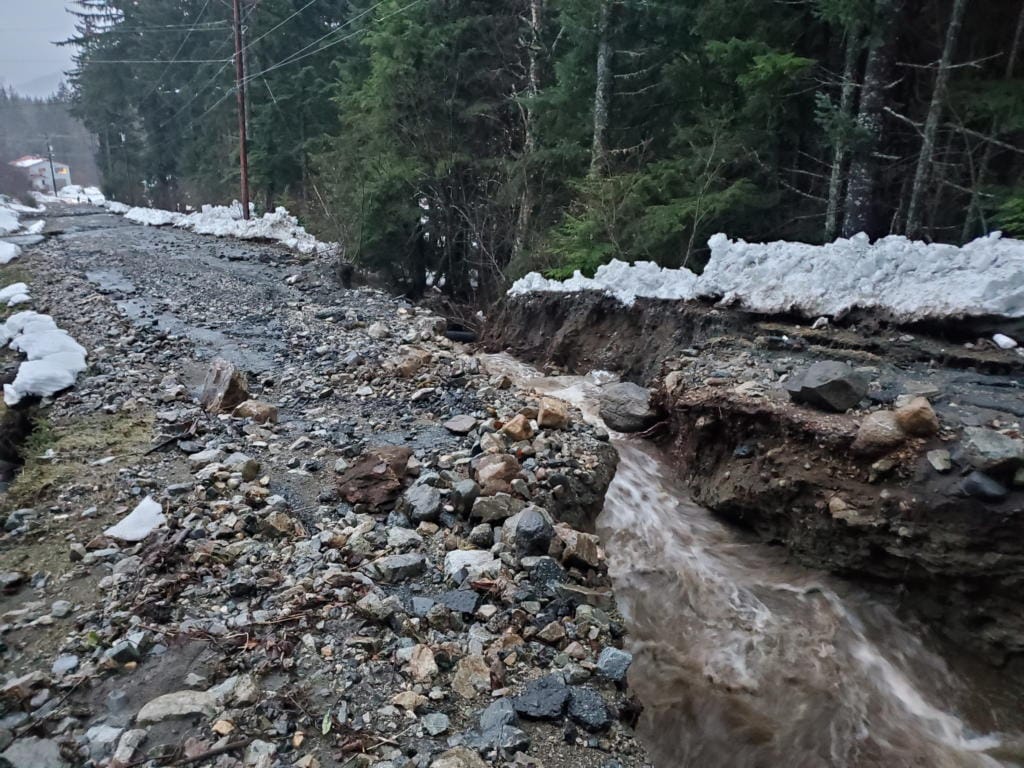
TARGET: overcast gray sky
(28,58)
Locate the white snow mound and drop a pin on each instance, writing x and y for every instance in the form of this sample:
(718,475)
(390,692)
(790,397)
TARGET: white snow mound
(140,522)
(909,280)
(54,359)
(9,252)
(153,217)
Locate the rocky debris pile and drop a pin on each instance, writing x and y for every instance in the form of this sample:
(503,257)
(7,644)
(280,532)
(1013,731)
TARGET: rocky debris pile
(371,553)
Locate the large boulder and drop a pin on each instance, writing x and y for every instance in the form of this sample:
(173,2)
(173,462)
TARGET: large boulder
(626,407)
(224,388)
(830,386)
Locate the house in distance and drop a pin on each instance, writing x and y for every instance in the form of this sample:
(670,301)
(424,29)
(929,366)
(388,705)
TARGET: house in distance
(43,176)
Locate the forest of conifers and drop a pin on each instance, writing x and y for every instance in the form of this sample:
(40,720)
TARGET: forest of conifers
(482,139)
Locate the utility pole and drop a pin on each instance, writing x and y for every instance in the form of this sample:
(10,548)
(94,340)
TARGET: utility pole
(243,148)
(53,174)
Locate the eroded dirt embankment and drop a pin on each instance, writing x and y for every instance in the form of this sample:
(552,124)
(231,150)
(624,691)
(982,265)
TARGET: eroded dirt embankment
(913,516)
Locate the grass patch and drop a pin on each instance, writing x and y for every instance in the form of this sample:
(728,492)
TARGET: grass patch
(60,456)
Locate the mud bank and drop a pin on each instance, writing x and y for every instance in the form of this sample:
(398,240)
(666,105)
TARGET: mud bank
(900,518)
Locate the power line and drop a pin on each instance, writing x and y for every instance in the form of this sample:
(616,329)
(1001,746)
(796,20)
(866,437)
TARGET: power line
(177,53)
(272,29)
(290,59)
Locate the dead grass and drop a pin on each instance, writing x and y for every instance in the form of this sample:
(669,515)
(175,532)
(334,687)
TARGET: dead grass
(59,457)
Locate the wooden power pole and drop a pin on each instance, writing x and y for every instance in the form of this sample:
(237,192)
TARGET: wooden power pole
(243,148)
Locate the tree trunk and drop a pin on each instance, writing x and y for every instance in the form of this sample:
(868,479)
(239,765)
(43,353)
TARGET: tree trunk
(860,192)
(529,139)
(931,124)
(602,92)
(974,208)
(835,184)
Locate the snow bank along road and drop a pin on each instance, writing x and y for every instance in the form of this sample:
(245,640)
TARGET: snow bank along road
(905,279)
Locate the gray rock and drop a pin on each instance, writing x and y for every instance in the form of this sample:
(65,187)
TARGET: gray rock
(499,713)
(64,664)
(626,407)
(205,458)
(614,664)
(435,723)
(461,564)
(124,652)
(482,536)
(102,740)
(533,533)
(991,451)
(830,386)
(463,601)
(422,503)
(492,509)
(981,486)
(420,606)
(10,580)
(940,460)
(464,494)
(404,538)
(30,752)
(178,704)
(61,609)
(543,699)
(587,707)
(395,568)
(461,425)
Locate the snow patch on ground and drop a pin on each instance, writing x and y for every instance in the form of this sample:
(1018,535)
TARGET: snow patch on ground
(226,221)
(154,217)
(910,280)
(115,207)
(9,252)
(13,294)
(54,359)
(140,522)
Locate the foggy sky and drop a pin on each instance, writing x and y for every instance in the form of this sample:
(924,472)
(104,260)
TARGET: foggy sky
(28,58)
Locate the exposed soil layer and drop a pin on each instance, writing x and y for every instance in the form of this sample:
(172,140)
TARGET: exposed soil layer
(787,472)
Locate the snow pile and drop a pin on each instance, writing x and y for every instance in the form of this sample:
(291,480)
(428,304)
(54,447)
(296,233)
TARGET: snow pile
(153,217)
(118,208)
(623,281)
(8,252)
(53,358)
(73,193)
(908,279)
(14,294)
(8,219)
(226,221)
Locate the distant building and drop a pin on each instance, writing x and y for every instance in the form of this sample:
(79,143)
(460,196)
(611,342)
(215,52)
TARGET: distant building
(41,177)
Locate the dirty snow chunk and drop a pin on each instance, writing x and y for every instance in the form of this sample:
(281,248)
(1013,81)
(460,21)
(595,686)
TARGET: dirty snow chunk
(142,521)
(9,252)
(118,208)
(154,217)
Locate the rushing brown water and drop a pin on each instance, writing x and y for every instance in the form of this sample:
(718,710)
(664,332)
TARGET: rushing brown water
(745,661)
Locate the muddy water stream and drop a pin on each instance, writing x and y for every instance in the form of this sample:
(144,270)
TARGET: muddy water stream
(743,660)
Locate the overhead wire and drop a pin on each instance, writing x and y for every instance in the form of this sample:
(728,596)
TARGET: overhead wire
(177,53)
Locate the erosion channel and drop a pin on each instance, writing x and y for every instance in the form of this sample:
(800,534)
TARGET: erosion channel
(744,655)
